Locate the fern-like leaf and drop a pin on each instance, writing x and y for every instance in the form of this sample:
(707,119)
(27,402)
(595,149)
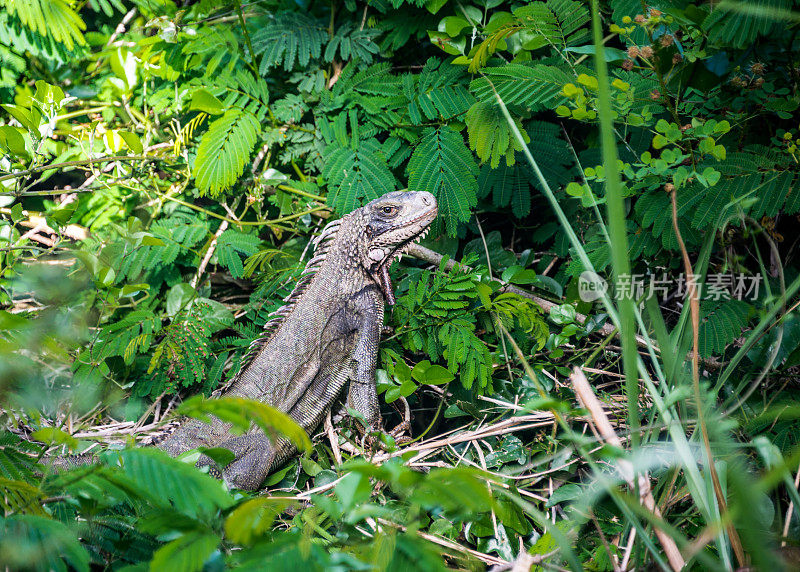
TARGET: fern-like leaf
(466,353)
(490,135)
(535,87)
(291,37)
(215,50)
(507,186)
(49,18)
(721,323)
(230,244)
(356,176)
(439,92)
(560,23)
(224,150)
(442,165)
(732,28)
(351,43)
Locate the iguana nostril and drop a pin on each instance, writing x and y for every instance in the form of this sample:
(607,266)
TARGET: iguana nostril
(426,200)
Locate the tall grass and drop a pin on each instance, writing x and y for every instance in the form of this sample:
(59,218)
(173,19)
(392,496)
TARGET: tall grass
(691,449)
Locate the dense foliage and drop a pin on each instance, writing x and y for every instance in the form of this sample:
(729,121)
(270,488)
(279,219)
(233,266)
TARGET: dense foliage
(165,165)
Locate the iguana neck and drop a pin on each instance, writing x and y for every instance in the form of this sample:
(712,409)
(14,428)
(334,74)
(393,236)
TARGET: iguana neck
(335,266)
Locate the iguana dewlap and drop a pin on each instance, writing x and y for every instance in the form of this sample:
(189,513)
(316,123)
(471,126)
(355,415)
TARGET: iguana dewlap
(323,340)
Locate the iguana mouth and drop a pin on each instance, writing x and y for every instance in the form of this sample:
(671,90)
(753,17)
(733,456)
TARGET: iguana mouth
(382,271)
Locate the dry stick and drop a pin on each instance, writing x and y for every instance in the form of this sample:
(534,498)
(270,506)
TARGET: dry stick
(337,454)
(790,510)
(433,257)
(588,400)
(487,558)
(209,253)
(121,27)
(694,306)
(628,550)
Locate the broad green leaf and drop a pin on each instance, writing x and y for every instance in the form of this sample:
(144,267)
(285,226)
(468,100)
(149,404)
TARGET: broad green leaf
(253,518)
(203,100)
(425,372)
(242,413)
(186,553)
(224,150)
(12,141)
(54,436)
(132,141)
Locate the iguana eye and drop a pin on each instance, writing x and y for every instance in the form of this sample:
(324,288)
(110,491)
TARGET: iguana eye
(389,210)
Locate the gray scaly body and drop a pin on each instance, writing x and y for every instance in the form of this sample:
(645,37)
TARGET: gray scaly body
(325,337)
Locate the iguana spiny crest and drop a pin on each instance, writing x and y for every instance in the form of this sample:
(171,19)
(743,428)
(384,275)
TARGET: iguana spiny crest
(322,340)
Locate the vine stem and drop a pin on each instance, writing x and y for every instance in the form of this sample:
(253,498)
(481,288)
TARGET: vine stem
(246,37)
(76,163)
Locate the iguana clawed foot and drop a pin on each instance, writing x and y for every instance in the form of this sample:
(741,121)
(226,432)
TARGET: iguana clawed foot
(401,433)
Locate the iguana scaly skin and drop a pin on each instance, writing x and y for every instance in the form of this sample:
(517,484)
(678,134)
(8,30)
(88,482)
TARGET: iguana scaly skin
(324,338)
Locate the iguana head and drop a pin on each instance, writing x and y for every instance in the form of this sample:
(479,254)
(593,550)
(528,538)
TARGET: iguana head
(393,222)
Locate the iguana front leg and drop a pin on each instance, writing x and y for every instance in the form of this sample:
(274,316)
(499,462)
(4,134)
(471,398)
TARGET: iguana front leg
(363,394)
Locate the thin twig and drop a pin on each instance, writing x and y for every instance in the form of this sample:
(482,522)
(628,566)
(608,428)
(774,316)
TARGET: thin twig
(209,253)
(790,510)
(79,162)
(694,306)
(587,398)
(334,440)
(487,558)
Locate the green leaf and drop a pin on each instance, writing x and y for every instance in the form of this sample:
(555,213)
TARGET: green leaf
(443,165)
(721,322)
(224,150)
(533,86)
(507,186)
(169,482)
(242,413)
(288,38)
(353,489)
(231,244)
(203,100)
(25,117)
(356,176)
(132,141)
(424,372)
(730,27)
(253,518)
(490,135)
(29,542)
(178,297)
(51,19)
(20,497)
(560,22)
(12,141)
(186,553)
(54,436)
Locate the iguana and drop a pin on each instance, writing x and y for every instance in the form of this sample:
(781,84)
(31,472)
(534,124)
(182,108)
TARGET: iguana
(324,336)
